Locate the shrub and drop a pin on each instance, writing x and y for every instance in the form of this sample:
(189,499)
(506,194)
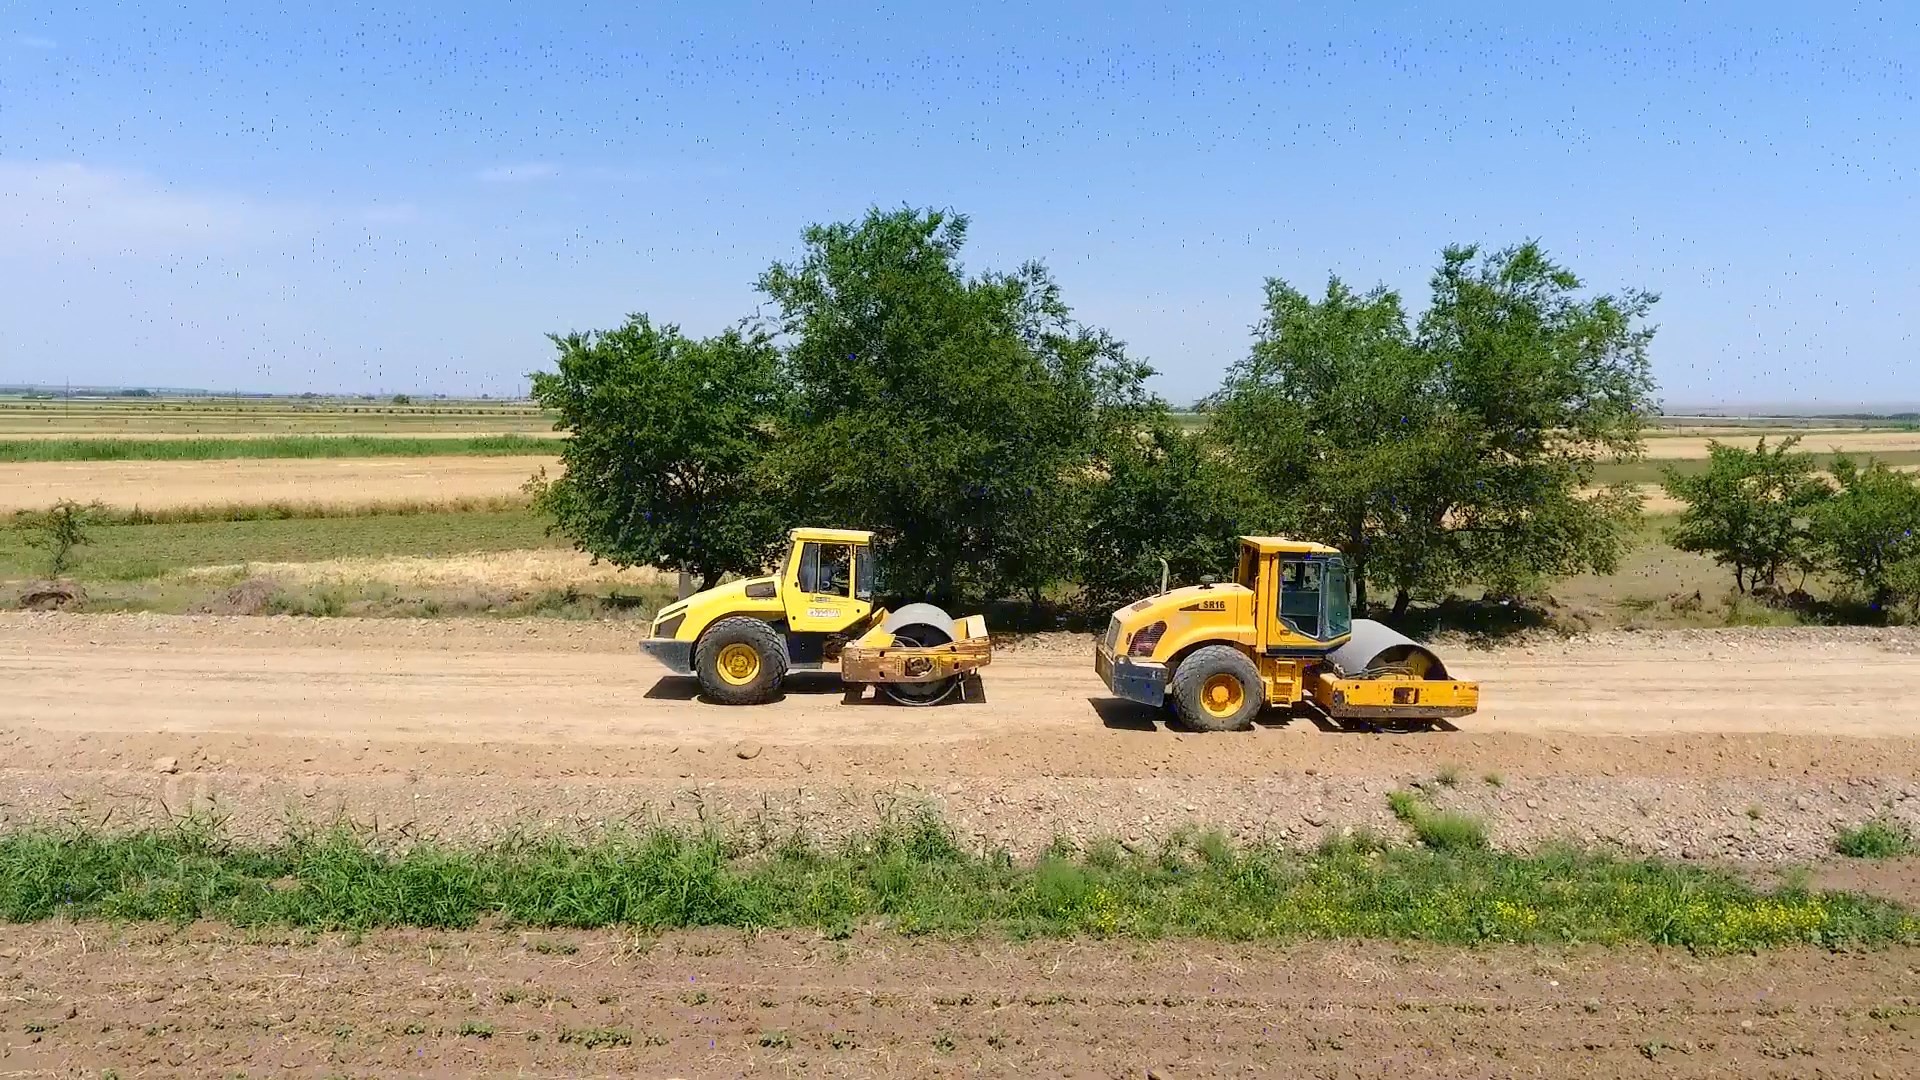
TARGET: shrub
(59,530)
(1876,839)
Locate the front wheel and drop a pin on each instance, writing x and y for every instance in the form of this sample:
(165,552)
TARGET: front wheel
(740,661)
(1218,689)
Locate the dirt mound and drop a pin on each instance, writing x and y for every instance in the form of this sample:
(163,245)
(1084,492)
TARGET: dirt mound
(253,596)
(52,596)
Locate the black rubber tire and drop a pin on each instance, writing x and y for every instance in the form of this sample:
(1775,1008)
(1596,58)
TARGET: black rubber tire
(735,630)
(1190,679)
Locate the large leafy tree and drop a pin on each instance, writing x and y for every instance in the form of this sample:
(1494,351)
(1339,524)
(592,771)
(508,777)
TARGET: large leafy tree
(949,411)
(1750,509)
(669,437)
(1161,493)
(1869,532)
(1541,385)
(1460,450)
(1335,416)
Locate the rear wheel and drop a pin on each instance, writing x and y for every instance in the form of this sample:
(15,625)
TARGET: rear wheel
(740,661)
(1218,689)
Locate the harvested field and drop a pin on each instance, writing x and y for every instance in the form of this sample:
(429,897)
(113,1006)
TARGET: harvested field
(358,481)
(1856,442)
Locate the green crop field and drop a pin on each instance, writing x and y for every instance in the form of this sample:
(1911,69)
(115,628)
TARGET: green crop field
(138,551)
(278,446)
(251,416)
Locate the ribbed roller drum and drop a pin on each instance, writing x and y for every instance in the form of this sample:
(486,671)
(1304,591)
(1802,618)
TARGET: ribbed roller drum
(1379,649)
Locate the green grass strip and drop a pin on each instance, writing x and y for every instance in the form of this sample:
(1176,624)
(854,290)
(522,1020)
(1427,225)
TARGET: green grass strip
(140,552)
(915,878)
(281,446)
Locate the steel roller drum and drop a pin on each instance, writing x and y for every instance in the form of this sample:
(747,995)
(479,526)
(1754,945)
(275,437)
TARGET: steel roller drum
(1376,648)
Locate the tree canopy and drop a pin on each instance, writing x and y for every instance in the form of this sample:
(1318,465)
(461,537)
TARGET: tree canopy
(667,461)
(944,410)
(1462,449)
(1750,509)
(998,446)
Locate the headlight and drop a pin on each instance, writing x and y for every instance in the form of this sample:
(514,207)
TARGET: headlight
(1146,639)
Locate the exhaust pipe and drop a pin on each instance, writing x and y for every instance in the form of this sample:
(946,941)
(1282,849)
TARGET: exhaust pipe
(1164,573)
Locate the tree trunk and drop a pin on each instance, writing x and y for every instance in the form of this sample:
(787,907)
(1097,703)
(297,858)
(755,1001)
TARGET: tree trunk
(1740,578)
(1400,601)
(710,578)
(1359,590)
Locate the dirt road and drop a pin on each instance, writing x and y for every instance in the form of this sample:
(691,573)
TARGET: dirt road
(1743,745)
(212,1003)
(155,485)
(1739,743)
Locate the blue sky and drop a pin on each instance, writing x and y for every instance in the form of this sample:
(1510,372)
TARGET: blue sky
(225,196)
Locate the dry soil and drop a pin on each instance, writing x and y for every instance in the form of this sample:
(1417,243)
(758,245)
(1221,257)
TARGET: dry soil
(1749,746)
(204,1002)
(1745,744)
(155,485)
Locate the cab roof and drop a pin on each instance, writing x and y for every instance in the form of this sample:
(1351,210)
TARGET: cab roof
(833,536)
(1272,545)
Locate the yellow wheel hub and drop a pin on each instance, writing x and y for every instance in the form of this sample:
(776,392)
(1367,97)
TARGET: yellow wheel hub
(1222,695)
(739,663)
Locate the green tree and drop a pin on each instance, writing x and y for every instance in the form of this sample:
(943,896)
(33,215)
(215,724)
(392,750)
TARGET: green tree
(666,465)
(1750,509)
(1540,385)
(1868,533)
(1463,451)
(1161,493)
(1335,416)
(947,411)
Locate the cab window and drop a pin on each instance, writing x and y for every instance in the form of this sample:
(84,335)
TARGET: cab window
(827,569)
(1300,596)
(1248,573)
(863,574)
(1339,601)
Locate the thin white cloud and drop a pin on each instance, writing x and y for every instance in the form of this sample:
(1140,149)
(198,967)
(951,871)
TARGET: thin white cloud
(71,209)
(35,41)
(520,173)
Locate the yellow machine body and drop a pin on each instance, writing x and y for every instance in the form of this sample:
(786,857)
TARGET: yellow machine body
(817,610)
(1287,617)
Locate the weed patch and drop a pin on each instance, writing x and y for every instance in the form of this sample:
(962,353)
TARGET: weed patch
(915,878)
(1876,839)
(1438,829)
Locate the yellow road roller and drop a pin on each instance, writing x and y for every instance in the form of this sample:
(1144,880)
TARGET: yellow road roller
(741,638)
(1282,633)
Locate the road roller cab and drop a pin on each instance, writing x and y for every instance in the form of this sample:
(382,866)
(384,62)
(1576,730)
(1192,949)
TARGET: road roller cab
(741,638)
(1281,633)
